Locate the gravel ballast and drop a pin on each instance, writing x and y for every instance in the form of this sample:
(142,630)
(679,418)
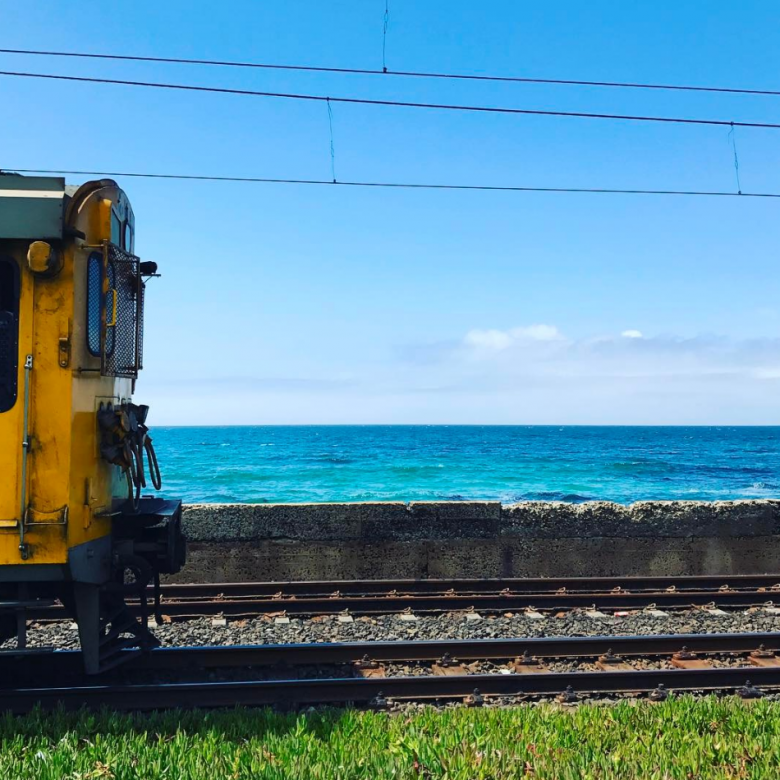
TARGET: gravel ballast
(265,630)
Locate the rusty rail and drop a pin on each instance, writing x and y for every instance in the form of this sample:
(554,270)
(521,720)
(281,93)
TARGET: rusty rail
(390,596)
(47,665)
(430,596)
(365,691)
(465,586)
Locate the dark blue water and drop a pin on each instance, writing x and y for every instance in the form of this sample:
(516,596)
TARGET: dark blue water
(506,463)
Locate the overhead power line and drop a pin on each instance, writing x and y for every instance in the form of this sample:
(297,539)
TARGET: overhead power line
(400,185)
(397,103)
(401,73)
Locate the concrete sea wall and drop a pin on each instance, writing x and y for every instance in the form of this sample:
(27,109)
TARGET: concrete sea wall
(235,542)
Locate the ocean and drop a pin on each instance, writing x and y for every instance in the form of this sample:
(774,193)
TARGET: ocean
(439,462)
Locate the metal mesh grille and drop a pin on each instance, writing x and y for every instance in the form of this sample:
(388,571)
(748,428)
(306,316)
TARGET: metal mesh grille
(111,329)
(124,314)
(8,357)
(141,296)
(94,297)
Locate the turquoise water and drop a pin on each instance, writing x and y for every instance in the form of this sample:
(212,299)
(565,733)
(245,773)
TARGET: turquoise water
(506,463)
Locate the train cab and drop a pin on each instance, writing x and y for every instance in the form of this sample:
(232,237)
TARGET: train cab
(77,521)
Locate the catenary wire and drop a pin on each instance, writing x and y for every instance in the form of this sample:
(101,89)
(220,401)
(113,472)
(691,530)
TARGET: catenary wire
(400,185)
(397,103)
(400,73)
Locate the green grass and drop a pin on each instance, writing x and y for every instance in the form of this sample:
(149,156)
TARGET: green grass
(682,738)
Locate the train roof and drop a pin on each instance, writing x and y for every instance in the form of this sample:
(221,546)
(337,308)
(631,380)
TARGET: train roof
(36,207)
(32,206)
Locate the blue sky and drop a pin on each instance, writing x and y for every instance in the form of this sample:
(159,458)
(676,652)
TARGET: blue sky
(283,304)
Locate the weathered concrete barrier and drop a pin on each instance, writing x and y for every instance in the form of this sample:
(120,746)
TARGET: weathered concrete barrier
(234,542)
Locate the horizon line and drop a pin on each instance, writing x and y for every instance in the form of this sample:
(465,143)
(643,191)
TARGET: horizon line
(469,425)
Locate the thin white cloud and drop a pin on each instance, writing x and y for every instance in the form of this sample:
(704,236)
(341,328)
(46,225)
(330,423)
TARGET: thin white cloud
(767,373)
(488,339)
(537,333)
(524,374)
(542,351)
(499,340)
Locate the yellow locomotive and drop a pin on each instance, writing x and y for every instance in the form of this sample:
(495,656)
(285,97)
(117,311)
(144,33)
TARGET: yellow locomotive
(74,525)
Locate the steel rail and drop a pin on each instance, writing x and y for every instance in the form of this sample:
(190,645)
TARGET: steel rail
(391,596)
(46,664)
(470,585)
(499,602)
(464,649)
(366,690)
(385,605)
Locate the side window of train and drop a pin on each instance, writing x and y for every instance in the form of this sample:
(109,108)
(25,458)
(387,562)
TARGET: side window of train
(9,332)
(128,247)
(95,304)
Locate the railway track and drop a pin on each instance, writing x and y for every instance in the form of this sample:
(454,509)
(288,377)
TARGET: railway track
(370,673)
(465,586)
(367,673)
(377,692)
(34,663)
(373,597)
